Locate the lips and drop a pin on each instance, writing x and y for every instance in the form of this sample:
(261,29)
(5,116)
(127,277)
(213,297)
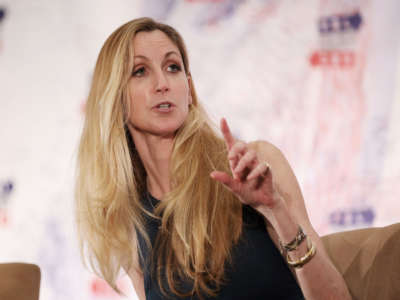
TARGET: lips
(164,104)
(164,107)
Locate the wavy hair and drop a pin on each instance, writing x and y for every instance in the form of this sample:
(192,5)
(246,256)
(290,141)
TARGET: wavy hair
(201,220)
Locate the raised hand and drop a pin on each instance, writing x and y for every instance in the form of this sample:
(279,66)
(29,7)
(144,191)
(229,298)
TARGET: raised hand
(252,180)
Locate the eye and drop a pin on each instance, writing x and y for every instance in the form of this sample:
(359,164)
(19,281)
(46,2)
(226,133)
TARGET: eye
(139,72)
(174,68)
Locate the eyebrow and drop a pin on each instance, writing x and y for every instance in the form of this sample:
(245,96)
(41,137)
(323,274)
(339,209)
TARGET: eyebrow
(165,56)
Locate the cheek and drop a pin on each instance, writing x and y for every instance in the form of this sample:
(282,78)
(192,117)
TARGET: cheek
(137,99)
(184,91)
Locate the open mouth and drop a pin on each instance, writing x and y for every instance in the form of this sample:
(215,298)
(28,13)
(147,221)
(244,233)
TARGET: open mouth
(164,105)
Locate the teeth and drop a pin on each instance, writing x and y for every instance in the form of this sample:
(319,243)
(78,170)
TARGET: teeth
(165,105)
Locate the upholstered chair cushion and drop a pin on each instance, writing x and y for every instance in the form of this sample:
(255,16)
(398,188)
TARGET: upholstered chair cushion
(369,260)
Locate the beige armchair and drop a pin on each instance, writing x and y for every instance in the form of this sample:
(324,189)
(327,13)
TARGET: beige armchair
(19,281)
(369,260)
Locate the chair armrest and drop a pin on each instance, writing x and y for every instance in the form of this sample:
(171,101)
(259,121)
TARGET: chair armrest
(19,281)
(369,260)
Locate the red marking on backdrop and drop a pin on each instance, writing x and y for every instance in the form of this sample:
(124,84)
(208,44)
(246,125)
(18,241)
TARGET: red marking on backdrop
(99,287)
(338,58)
(3,217)
(263,13)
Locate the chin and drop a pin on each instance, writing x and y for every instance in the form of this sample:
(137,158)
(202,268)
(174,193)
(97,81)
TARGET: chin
(168,129)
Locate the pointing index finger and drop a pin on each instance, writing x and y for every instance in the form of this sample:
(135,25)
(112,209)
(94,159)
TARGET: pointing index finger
(229,139)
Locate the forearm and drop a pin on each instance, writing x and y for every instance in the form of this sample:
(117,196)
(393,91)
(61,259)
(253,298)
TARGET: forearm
(318,278)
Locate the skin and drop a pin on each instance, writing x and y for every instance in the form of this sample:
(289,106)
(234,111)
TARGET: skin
(262,177)
(156,78)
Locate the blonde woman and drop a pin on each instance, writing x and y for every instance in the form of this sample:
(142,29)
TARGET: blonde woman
(186,213)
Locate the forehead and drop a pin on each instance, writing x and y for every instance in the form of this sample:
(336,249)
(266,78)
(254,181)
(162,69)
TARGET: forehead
(145,43)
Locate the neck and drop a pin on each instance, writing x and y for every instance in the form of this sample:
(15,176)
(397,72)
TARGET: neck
(155,153)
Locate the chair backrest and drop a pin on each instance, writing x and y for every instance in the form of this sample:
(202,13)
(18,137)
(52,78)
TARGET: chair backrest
(369,260)
(19,281)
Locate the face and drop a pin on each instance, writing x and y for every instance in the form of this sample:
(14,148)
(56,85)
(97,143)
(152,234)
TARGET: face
(159,88)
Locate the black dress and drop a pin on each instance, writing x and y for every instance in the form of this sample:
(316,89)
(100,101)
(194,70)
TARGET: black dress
(258,270)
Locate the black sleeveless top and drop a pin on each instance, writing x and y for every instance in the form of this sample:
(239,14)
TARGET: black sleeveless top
(258,270)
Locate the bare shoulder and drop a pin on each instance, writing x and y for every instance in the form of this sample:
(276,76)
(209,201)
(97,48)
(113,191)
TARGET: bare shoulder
(282,172)
(269,153)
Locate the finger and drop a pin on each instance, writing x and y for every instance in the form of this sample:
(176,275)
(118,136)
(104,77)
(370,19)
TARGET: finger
(223,178)
(229,139)
(238,148)
(261,170)
(235,154)
(247,162)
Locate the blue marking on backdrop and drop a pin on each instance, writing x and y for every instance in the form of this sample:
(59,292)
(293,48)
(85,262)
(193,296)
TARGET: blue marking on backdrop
(352,217)
(6,189)
(159,10)
(215,12)
(340,23)
(54,258)
(2,13)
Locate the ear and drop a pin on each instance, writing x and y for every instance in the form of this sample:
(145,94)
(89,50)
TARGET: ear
(189,79)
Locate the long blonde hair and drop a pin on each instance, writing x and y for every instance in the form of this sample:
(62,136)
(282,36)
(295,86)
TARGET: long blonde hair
(201,220)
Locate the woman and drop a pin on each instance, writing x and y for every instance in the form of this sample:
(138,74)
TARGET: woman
(155,194)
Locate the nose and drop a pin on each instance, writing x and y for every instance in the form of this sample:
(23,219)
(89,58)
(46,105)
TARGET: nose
(161,84)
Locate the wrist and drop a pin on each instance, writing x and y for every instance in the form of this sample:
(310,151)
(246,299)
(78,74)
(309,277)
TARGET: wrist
(278,211)
(281,219)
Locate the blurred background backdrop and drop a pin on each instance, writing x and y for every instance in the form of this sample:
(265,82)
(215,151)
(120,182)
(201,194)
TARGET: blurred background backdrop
(319,79)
